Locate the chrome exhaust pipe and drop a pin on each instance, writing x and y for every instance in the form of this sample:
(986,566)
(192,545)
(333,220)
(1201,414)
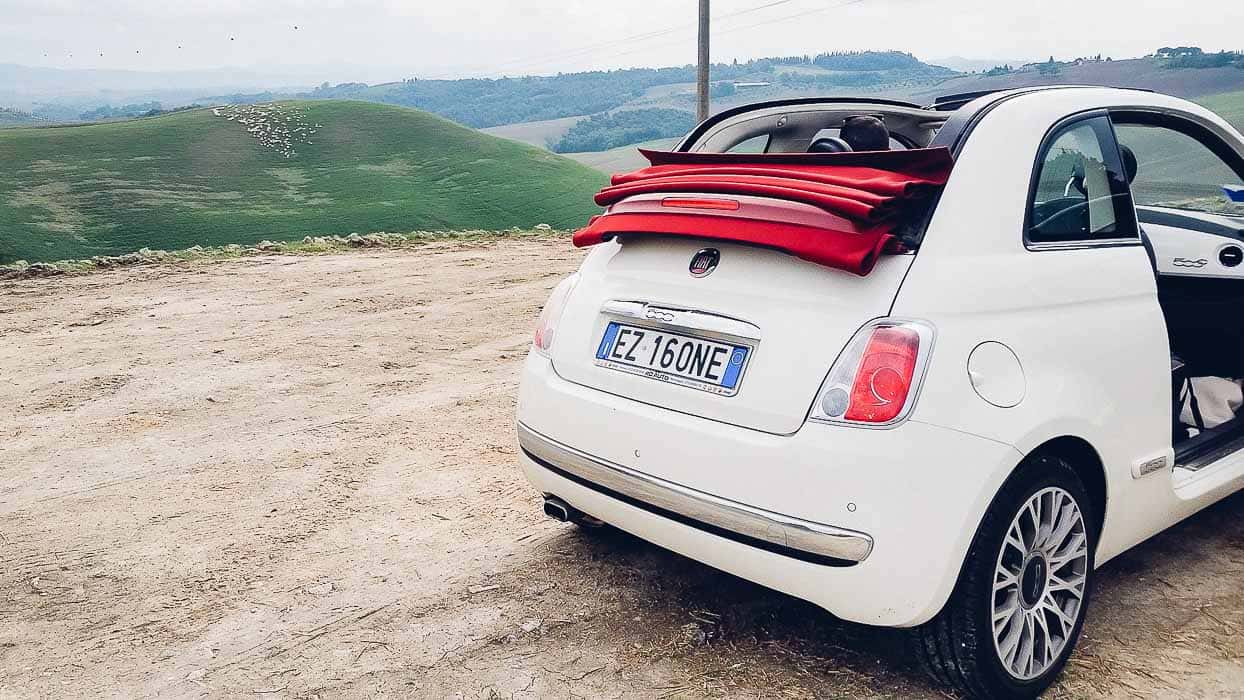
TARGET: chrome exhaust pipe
(558,509)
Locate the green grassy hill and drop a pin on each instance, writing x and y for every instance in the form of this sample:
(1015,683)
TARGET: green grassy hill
(1147,73)
(624,158)
(1175,170)
(1228,105)
(200,178)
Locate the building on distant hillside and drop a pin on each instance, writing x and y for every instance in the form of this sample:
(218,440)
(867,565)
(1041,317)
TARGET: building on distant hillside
(750,86)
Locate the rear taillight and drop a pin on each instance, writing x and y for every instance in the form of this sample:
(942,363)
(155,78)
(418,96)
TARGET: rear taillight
(546,326)
(876,379)
(700,203)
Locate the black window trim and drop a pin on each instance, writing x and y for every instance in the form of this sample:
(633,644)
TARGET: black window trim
(1111,152)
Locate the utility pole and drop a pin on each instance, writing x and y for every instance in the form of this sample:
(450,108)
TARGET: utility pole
(702,72)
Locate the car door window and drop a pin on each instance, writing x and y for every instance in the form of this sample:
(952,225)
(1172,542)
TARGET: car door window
(1080,193)
(1175,170)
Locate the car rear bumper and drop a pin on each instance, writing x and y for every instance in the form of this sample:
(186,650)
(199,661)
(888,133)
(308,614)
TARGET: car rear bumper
(872,525)
(795,537)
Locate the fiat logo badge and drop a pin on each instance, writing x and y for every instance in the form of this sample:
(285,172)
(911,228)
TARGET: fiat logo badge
(704,262)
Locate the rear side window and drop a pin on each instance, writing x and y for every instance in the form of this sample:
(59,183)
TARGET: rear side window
(756,144)
(1080,193)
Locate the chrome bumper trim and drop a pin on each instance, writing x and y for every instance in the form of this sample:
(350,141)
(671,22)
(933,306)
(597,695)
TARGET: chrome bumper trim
(744,521)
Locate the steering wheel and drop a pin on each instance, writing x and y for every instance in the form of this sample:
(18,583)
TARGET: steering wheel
(1076,180)
(1053,217)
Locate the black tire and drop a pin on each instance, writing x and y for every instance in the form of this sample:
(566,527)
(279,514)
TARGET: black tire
(957,647)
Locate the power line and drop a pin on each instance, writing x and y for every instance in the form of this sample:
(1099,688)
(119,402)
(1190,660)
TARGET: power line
(776,20)
(586,50)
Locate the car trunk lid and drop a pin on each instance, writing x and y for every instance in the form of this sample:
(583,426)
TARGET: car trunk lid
(793,316)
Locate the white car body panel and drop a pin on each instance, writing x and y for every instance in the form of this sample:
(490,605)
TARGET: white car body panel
(809,313)
(914,515)
(1083,321)
(1183,253)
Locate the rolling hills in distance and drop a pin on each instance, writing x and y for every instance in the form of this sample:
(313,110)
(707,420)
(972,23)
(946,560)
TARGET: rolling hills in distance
(1220,88)
(243,174)
(372,164)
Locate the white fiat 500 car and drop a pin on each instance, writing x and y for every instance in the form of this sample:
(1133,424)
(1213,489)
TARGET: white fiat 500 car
(953,442)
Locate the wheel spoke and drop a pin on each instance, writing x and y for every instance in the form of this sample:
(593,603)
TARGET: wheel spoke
(1026,655)
(1075,547)
(1004,578)
(1051,513)
(1073,585)
(1043,629)
(1009,644)
(1015,538)
(1065,620)
(1066,522)
(1004,616)
(1034,515)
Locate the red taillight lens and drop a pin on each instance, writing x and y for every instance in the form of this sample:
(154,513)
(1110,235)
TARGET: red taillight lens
(885,374)
(876,378)
(546,325)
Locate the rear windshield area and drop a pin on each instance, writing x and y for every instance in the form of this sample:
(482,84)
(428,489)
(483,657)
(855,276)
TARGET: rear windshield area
(823,129)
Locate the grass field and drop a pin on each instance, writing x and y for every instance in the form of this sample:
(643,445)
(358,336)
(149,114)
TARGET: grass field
(195,178)
(622,159)
(1228,105)
(539,134)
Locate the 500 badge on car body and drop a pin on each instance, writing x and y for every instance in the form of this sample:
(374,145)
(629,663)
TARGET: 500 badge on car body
(1190,262)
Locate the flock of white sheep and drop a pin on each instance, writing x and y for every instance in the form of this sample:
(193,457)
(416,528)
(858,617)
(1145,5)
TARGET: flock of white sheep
(275,126)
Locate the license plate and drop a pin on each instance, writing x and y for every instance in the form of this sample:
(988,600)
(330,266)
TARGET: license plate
(707,365)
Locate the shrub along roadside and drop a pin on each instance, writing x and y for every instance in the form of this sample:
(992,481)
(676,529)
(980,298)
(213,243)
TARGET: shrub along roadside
(310,245)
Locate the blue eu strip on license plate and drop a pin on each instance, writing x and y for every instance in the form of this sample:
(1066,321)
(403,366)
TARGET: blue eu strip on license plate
(697,363)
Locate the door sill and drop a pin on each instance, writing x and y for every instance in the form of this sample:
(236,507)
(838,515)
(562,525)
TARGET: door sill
(1210,461)
(1205,449)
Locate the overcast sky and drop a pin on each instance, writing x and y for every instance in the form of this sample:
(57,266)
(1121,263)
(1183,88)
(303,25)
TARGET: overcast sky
(375,40)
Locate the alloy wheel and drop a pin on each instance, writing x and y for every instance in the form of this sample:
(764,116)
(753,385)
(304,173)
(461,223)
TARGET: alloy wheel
(1039,583)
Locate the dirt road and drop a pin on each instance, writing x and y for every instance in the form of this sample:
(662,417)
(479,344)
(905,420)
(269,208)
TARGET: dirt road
(295,477)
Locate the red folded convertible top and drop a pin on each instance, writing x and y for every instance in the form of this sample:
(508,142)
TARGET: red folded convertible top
(835,209)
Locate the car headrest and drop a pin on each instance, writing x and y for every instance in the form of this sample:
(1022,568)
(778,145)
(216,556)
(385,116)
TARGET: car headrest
(1130,165)
(829,144)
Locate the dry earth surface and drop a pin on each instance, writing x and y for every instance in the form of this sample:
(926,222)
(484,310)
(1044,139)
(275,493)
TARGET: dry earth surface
(295,477)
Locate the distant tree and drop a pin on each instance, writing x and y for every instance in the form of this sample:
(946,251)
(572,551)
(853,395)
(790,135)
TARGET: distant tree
(601,132)
(866,60)
(124,112)
(1179,52)
(1181,58)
